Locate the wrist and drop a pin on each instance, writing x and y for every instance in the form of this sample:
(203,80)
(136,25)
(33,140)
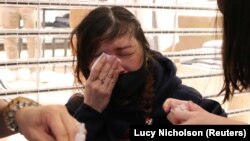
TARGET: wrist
(10,111)
(93,106)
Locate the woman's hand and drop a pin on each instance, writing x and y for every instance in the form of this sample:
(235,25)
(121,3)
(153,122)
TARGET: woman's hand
(187,112)
(47,123)
(184,112)
(99,86)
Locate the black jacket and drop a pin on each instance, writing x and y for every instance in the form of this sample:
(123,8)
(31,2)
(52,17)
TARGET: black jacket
(114,121)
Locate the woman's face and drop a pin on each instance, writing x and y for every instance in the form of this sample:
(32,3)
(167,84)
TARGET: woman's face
(127,49)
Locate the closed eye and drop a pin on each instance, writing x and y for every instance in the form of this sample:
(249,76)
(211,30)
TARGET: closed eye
(125,51)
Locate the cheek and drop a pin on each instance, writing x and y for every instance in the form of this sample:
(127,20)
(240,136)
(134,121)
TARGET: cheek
(132,64)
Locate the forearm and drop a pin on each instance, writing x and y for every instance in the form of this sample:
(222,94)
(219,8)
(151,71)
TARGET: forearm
(4,131)
(215,119)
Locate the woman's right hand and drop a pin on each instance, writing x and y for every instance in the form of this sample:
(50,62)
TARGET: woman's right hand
(99,86)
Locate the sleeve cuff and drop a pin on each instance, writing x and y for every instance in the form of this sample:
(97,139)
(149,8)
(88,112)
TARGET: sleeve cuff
(86,113)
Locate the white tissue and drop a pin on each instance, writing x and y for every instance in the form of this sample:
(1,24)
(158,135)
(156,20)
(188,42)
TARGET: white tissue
(182,107)
(80,136)
(103,54)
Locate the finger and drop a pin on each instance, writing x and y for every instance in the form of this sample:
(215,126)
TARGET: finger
(57,128)
(171,102)
(116,72)
(179,115)
(96,60)
(194,107)
(70,125)
(97,66)
(109,79)
(40,135)
(172,118)
(106,68)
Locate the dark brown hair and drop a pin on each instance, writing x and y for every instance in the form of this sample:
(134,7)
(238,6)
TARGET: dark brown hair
(236,46)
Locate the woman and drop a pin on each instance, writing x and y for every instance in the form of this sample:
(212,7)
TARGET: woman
(126,82)
(235,56)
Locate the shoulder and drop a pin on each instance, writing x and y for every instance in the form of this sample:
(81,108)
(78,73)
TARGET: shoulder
(157,59)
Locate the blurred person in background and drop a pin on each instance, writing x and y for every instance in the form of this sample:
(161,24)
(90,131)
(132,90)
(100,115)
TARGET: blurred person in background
(236,66)
(11,19)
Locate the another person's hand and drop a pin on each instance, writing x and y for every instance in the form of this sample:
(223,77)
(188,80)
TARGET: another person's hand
(47,123)
(99,86)
(185,112)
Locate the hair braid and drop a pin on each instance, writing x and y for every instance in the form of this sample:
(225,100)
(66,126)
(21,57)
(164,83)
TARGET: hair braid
(147,97)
